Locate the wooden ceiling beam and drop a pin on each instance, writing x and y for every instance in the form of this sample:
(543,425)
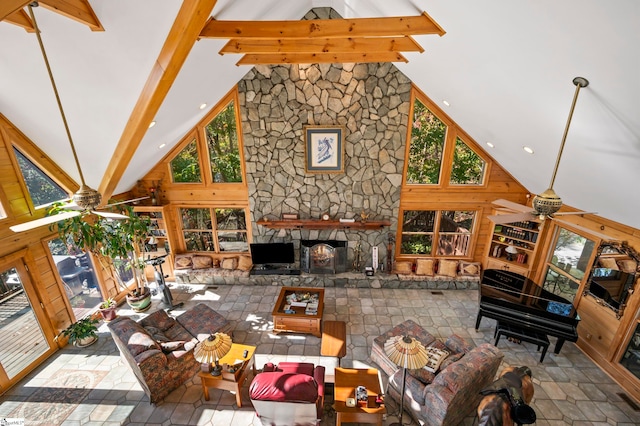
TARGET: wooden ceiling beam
(21,19)
(323,45)
(8,7)
(323,28)
(190,20)
(318,58)
(78,10)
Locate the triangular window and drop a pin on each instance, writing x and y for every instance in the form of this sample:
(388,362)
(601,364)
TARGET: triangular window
(185,167)
(222,142)
(468,167)
(42,189)
(428,134)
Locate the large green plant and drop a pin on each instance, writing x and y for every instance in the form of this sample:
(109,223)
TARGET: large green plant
(108,239)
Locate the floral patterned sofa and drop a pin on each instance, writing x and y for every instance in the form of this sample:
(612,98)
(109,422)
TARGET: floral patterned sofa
(453,392)
(159,348)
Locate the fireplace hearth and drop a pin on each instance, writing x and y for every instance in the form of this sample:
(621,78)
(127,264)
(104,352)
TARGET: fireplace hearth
(323,256)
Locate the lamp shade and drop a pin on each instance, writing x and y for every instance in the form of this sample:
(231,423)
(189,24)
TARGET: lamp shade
(405,351)
(511,250)
(213,348)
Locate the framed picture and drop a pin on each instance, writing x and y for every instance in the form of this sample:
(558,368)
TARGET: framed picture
(324,149)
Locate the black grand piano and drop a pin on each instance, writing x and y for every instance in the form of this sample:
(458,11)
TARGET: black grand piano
(513,299)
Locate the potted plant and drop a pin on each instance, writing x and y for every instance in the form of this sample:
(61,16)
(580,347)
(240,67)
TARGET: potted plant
(108,309)
(82,333)
(113,242)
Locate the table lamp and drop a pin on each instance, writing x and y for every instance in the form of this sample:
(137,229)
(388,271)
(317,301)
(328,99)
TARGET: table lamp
(211,350)
(511,252)
(405,352)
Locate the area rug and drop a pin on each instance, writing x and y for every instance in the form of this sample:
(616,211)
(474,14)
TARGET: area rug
(52,403)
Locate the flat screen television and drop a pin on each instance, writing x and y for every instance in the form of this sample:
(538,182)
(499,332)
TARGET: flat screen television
(272,253)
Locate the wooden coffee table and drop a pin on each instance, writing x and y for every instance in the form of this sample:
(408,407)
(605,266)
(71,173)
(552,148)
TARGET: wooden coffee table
(347,379)
(294,319)
(231,381)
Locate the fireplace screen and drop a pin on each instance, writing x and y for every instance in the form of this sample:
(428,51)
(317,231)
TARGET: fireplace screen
(323,256)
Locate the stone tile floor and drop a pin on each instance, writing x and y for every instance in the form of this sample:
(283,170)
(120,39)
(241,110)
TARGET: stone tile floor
(569,388)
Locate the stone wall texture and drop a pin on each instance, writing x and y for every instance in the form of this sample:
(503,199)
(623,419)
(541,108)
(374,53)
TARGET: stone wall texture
(370,101)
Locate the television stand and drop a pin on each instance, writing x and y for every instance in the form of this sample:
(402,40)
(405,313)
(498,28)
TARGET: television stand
(267,269)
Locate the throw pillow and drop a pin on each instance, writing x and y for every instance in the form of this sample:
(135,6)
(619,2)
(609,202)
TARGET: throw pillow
(172,346)
(403,267)
(448,268)
(424,267)
(156,333)
(423,375)
(435,358)
(183,261)
(244,263)
(608,262)
(229,263)
(469,269)
(627,265)
(202,262)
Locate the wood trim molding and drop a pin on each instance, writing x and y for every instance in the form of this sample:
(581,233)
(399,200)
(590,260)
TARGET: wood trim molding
(77,10)
(321,58)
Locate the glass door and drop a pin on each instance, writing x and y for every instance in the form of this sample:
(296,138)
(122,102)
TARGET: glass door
(24,343)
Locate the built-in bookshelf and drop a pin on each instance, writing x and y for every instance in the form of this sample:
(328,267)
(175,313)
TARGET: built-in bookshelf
(513,247)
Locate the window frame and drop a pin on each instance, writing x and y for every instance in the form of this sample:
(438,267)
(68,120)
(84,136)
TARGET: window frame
(453,132)
(214,228)
(436,233)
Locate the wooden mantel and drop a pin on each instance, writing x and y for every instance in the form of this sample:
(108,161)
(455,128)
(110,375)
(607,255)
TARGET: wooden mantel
(322,224)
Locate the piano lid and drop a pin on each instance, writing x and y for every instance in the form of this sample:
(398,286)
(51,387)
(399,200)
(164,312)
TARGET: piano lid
(509,288)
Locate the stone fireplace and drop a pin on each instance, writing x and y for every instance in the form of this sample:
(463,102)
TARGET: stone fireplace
(323,256)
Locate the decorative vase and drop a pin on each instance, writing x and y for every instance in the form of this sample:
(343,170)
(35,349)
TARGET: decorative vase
(140,303)
(87,341)
(109,314)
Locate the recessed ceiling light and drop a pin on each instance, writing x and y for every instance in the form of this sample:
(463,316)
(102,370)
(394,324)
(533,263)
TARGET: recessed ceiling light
(203,106)
(527,150)
(162,145)
(446,103)
(153,123)
(490,145)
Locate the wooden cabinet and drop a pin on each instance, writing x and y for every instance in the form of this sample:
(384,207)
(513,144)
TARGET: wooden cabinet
(157,243)
(513,247)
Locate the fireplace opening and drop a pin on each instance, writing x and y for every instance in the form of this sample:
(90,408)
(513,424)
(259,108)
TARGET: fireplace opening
(323,256)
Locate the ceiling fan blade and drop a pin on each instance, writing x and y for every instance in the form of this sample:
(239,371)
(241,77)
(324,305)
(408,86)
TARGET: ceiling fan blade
(568,213)
(110,215)
(47,220)
(513,206)
(499,219)
(133,200)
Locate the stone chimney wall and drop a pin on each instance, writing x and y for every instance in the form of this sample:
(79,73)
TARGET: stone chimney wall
(370,101)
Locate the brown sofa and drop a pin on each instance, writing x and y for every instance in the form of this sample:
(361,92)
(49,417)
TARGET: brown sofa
(159,348)
(453,392)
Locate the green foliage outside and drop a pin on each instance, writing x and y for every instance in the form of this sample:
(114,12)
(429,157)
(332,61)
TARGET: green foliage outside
(222,142)
(42,189)
(468,167)
(185,167)
(428,134)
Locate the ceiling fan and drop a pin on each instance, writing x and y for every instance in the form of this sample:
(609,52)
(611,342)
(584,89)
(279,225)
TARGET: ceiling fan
(546,204)
(86,199)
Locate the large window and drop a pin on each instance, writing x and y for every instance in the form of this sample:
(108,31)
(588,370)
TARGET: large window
(222,142)
(185,167)
(467,167)
(214,229)
(428,135)
(42,189)
(568,263)
(441,233)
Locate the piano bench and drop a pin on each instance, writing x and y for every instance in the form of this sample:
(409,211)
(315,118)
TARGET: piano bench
(518,333)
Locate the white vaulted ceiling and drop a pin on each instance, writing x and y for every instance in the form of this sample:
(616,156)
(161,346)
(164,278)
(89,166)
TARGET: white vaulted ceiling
(504,66)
